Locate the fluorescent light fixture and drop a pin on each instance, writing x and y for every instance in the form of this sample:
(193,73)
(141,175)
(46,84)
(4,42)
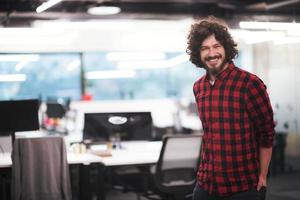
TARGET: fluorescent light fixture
(20,65)
(12,77)
(30,32)
(287,40)
(90,24)
(73,65)
(146,64)
(182,58)
(121,56)
(150,64)
(112,74)
(294,32)
(270,25)
(252,37)
(24,59)
(47,5)
(19,57)
(264,36)
(40,40)
(104,10)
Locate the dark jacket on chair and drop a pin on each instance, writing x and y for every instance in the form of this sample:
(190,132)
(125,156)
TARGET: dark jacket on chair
(40,169)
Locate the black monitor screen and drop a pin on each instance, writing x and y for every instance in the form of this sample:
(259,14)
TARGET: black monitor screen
(55,110)
(57,107)
(18,115)
(128,125)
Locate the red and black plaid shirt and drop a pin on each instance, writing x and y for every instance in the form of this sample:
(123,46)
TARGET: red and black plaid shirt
(237,119)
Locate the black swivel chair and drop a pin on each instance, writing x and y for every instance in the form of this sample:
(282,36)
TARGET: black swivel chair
(174,175)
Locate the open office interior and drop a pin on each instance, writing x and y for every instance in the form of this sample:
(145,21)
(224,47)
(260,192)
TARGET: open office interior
(114,84)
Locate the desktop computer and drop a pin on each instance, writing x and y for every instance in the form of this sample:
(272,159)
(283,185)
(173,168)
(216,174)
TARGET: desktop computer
(18,115)
(111,126)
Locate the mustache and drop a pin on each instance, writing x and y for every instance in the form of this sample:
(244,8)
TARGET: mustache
(208,58)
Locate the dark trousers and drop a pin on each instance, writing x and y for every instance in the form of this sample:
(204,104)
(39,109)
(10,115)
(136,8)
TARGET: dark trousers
(252,194)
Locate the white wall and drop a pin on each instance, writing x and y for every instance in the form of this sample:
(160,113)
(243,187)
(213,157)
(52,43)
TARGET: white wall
(278,66)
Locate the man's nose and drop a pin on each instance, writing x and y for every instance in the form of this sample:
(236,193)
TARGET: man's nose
(212,51)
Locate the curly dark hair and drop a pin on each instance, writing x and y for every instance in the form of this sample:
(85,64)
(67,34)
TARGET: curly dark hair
(205,28)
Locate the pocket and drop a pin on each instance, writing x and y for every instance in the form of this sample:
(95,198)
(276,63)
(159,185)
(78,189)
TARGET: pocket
(202,95)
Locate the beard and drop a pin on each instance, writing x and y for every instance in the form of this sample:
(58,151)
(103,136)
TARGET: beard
(215,70)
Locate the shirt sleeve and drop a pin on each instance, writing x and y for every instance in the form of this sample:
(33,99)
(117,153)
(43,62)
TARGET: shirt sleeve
(260,111)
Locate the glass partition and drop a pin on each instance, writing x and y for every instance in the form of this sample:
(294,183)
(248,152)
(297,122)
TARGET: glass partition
(39,75)
(139,75)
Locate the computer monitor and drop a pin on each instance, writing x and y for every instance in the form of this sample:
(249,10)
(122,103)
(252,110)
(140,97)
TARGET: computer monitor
(55,110)
(101,127)
(57,107)
(18,115)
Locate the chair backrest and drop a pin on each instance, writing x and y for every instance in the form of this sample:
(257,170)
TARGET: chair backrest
(178,163)
(5,144)
(40,169)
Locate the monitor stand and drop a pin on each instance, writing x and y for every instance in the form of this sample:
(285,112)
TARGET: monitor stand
(116,141)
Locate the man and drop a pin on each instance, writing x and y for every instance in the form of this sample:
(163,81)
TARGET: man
(236,116)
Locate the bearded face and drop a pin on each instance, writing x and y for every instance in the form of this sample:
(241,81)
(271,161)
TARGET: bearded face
(212,55)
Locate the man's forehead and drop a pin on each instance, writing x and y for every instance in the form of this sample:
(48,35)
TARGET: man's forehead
(210,43)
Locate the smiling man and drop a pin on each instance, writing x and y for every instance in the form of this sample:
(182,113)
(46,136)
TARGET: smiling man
(236,116)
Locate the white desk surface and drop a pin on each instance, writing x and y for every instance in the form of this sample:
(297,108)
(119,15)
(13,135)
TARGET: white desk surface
(132,153)
(5,160)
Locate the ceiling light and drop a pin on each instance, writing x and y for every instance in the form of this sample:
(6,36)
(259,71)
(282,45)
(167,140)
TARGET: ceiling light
(104,10)
(110,74)
(154,64)
(20,65)
(47,5)
(12,77)
(39,40)
(19,57)
(121,56)
(90,24)
(293,32)
(30,32)
(74,64)
(287,40)
(252,37)
(270,25)
(145,64)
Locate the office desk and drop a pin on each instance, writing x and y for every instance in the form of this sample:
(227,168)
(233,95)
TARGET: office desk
(93,166)
(95,169)
(134,153)
(131,153)
(5,160)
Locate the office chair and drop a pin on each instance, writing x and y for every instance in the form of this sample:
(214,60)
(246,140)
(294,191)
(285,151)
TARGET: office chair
(174,175)
(5,173)
(40,169)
